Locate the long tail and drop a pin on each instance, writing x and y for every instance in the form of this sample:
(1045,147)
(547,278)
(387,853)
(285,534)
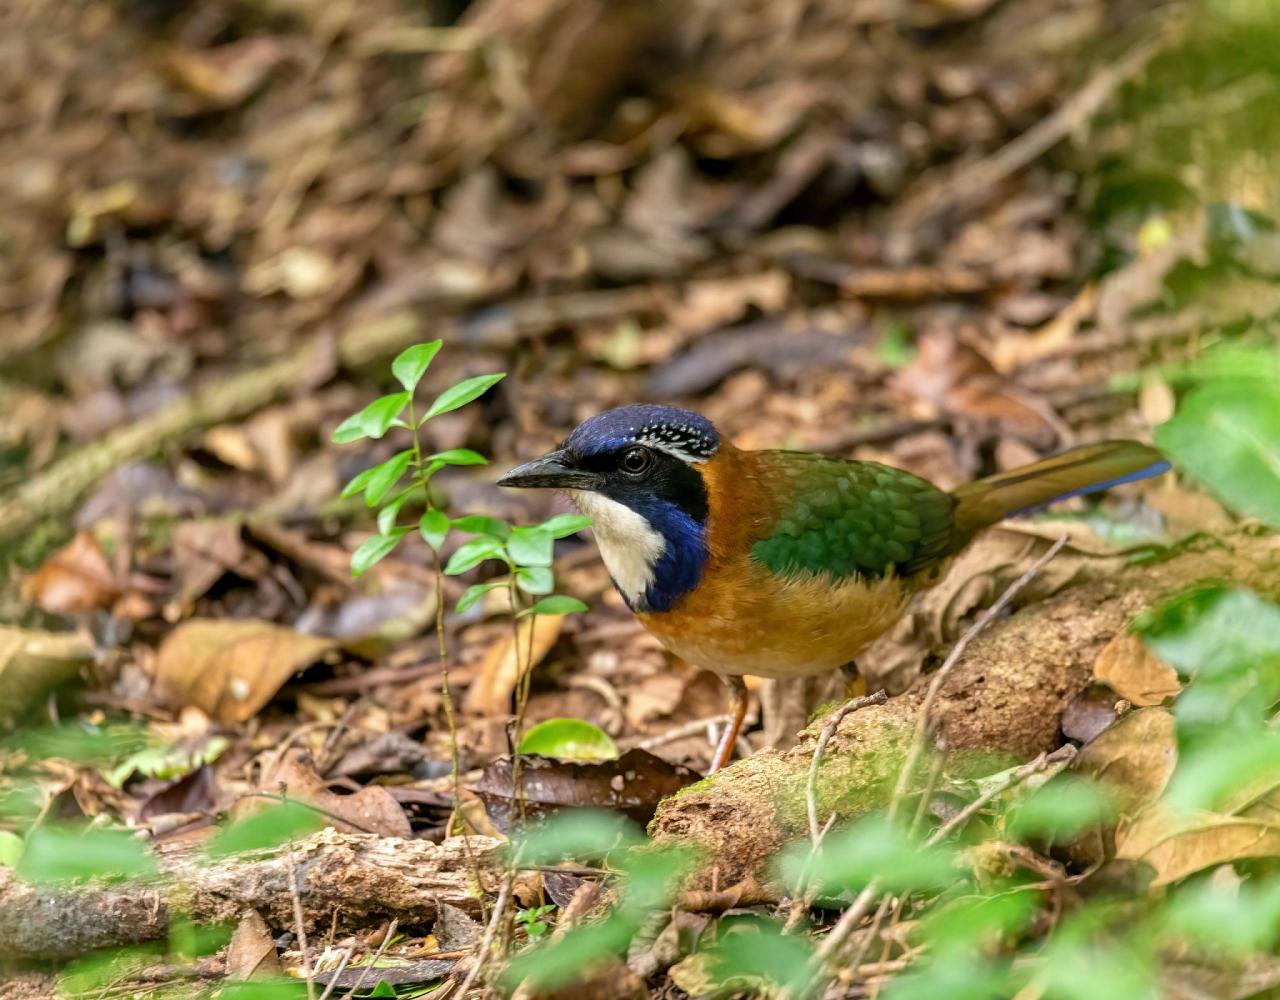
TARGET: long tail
(1074,473)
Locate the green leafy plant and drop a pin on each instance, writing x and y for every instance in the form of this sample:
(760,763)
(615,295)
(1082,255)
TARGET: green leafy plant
(531,919)
(568,739)
(392,486)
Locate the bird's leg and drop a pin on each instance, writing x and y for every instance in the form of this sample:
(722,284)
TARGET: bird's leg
(738,711)
(855,684)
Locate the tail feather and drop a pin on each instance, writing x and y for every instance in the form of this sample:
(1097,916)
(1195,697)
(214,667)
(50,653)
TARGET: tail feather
(1073,473)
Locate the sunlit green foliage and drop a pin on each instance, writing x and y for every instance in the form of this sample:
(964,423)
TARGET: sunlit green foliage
(61,853)
(569,739)
(526,550)
(645,879)
(271,826)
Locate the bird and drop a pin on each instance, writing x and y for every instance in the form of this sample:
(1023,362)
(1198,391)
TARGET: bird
(781,563)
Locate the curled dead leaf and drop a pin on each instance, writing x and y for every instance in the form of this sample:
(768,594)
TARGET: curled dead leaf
(1135,673)
(74,580)
(632,784)
(490,694)
(231,669)
(202,552)
(1178,846)
(1135,758)
(34,663)
(251,953)
(370,810)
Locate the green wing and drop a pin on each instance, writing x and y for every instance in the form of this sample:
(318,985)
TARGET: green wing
(846,518)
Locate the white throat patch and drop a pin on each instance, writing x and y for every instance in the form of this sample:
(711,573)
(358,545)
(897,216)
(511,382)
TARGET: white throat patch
(629,546)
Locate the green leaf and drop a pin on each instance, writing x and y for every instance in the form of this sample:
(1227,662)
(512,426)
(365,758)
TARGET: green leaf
(1214,631)
(563,525)
(458,456)
(1060,808)
(474,593)
(535,579)
(358,484)
(1235,919)
(480,524)
(977,923)
(411,364)
(462,393)
(374,549)
(383,989)
(386,476)
(166,761)
(558,961)
(1229,439)
(568,739)
(472,553)
(751,954)
(373,420)
(59,854)
(1213,771)
(873,848)
(387,516)
(10,849)
(585,834)
(351,429)
(955,977)
(265,828)
(652,876)
(264,989)
(530,547)
(434,526)
(557,604)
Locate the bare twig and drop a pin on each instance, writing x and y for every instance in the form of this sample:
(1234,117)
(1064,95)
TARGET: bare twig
(940,677)
(382,949)
(828,731)
(973,181)
(300,923)
(1055,761)
(490,932)
(57,488)
(680,732)
(805,893)
(337,973)
(836,938)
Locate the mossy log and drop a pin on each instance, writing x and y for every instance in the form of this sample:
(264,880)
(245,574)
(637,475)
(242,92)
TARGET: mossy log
(1002,703)
(353,880)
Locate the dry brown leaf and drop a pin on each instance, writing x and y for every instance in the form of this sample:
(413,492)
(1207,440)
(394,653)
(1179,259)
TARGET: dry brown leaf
(372,809)
(74,580)
(34,663)
(491,692)
(230,669)
(1177,846)
(1134,758)
(227,75)
(976,577)
(1011,353)
(1135,673)
(251,954)
(632,784)
(202,552)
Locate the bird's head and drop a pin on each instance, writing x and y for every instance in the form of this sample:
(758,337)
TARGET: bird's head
(635,472)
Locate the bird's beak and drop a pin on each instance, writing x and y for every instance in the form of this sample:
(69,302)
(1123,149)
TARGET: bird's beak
(552,471)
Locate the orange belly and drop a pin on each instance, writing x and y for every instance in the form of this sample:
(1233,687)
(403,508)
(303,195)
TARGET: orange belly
(744,620)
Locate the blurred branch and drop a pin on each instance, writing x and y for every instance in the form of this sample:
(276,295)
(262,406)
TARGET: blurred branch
(971,182)
(347,877)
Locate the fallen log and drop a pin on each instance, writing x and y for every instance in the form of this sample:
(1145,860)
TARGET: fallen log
(1002,704)
(353,879)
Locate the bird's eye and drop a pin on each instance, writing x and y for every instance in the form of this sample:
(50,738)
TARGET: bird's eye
(636,460)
